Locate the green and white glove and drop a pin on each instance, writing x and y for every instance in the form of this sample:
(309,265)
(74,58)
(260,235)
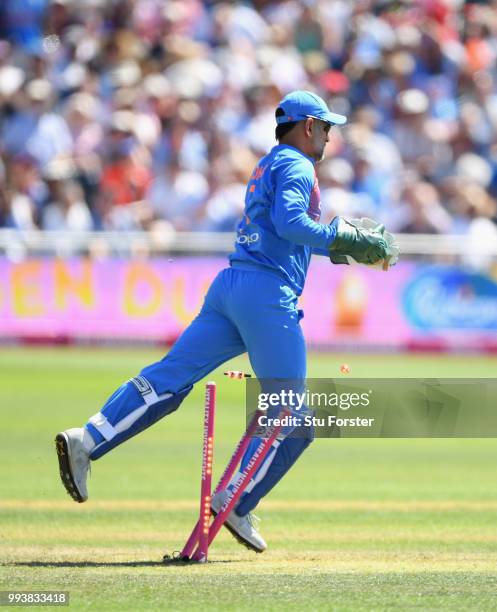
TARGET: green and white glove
(363,241)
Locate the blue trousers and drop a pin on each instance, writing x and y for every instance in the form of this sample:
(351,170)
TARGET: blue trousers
(243,311)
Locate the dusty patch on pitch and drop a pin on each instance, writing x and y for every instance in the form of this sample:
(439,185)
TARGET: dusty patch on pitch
(276,562)
(419,535)
(375,561)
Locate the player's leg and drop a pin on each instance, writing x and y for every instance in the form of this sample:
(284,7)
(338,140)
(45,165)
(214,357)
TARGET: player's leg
(159,389)
(266,314)
(277,347)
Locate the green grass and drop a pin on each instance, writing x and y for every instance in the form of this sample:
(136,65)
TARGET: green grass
(356,525)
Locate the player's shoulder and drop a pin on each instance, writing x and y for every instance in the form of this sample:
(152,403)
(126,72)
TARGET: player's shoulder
(292,162)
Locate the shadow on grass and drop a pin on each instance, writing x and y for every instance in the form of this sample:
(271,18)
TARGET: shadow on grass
(168,563)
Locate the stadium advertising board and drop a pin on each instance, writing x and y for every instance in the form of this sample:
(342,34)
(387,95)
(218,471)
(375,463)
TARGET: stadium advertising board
(411,306)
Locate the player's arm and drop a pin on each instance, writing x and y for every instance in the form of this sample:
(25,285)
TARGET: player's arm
(294,183)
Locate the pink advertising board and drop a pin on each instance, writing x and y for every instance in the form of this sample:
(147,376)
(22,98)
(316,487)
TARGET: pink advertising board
(410,306)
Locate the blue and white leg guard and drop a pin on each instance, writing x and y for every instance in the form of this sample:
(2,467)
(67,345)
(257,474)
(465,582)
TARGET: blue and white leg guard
(283,454)
(285,451)
(131,409)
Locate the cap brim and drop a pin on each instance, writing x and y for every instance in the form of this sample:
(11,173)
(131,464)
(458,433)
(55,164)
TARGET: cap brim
(334,118)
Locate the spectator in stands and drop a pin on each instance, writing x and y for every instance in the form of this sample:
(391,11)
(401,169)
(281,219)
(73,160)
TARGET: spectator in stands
(34,126)
(25,193)
(69,211)
(126,176)
(424,213)
(178,195)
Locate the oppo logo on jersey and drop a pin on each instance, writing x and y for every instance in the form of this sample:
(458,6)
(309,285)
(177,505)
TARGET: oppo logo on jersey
(247,238)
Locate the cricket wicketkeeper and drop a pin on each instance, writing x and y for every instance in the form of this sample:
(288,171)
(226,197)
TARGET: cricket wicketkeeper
(251,307)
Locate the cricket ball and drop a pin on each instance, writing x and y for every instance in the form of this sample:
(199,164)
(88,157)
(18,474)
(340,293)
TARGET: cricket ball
(344,368)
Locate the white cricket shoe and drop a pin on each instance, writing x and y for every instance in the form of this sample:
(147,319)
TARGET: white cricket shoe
(74,462)
(241,527)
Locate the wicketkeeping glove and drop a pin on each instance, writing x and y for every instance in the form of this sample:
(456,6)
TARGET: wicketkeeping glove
(365,245)
(363,241)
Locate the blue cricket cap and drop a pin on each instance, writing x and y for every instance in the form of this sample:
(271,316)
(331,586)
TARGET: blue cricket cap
(299,105)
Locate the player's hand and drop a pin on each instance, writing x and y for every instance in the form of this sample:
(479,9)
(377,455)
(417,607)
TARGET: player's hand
(367,246)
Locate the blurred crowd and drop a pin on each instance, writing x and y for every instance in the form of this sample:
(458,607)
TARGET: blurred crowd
(151,114)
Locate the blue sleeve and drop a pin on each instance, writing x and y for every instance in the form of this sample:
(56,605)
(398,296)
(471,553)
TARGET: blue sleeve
(294,181)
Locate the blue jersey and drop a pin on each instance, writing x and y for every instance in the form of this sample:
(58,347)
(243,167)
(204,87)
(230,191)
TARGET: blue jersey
(280,228)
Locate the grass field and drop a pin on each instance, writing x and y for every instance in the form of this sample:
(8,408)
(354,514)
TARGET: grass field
(357,524)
